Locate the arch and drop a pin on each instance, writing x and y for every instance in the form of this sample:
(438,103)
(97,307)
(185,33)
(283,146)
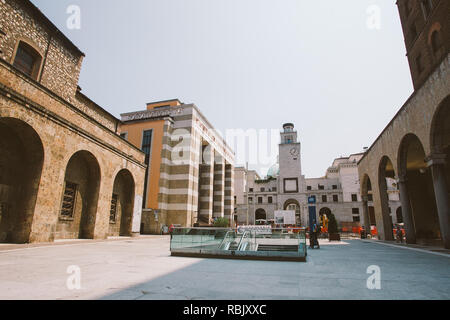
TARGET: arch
(122,204)
(21,162)
(419,190)
(292,204)
(80,193)
(386,174)
(440,165)
(440,127)
(324,211)
(260,214)
(368,208)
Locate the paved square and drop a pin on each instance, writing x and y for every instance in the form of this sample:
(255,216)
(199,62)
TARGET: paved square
(142,268)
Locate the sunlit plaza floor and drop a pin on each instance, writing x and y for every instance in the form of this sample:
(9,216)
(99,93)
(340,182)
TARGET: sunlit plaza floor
(142,268)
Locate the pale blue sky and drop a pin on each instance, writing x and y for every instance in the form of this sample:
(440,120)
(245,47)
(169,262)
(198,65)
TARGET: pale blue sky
(249,64)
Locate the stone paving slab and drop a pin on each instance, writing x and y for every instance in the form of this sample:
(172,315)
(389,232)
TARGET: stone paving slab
(142,268)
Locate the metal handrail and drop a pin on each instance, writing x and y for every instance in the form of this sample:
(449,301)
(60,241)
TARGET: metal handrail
(225,238)
(242,237)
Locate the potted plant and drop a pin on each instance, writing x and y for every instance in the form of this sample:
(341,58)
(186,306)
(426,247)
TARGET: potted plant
(333,232)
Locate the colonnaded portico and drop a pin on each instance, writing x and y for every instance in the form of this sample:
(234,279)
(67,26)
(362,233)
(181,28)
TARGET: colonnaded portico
(414,149)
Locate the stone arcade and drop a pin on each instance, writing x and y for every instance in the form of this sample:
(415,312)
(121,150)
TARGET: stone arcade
(414,148)
(64,170)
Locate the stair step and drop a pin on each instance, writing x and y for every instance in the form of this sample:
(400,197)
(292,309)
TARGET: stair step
(277,248)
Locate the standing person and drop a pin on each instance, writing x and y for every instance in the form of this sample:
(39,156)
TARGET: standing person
(171,230)
(317,233)
(399,234)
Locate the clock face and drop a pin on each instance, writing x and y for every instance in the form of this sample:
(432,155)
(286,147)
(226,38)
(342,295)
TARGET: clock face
(294,151)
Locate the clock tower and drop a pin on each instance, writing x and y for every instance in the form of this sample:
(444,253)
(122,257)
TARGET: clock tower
(291,183)
(290,160)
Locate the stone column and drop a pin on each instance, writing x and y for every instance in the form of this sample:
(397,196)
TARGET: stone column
(219,186)
(406,210)
(229,193)
(437,164)
(366,213)
(206,174)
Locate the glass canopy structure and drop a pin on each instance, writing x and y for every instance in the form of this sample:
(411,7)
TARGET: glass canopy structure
(270,244)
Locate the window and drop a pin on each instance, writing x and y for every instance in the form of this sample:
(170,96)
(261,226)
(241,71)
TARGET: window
(308,188)
(250,200)
(27,60)
(354,197)
(274,189)
(355,212)
(436,42)
(263,189)
(321,187)
(427,7)
(68,203)
(290,185)
(251,190)
(334,187)
(235,199)
(260,200)
(113,211)
(335,198)
(324,198)
(270,200)
(147,149)
(369,197)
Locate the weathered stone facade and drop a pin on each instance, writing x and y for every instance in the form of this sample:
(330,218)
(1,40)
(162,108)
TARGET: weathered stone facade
(337,192)
(54,137)
(414,148)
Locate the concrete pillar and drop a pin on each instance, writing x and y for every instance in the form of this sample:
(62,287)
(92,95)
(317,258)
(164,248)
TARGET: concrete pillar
(206,181)
(437,164)
(407,211)
(229,193)
(366,213)
(219,186)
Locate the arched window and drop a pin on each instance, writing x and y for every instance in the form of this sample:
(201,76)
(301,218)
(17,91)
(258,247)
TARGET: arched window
(436,42)
(27,60)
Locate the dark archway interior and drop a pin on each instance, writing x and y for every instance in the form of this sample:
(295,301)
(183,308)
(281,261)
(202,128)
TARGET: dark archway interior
(293,204)
(260,214)
(325,211)
(83,175)
(421,191)
(21,161)
(367,192)
(399,215)
(386,173)
(121,214)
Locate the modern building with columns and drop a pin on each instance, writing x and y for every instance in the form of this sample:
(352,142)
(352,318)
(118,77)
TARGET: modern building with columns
(190,169)
(414,148)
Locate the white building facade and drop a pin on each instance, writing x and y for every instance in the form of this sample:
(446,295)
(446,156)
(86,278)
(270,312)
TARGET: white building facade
(286,188)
